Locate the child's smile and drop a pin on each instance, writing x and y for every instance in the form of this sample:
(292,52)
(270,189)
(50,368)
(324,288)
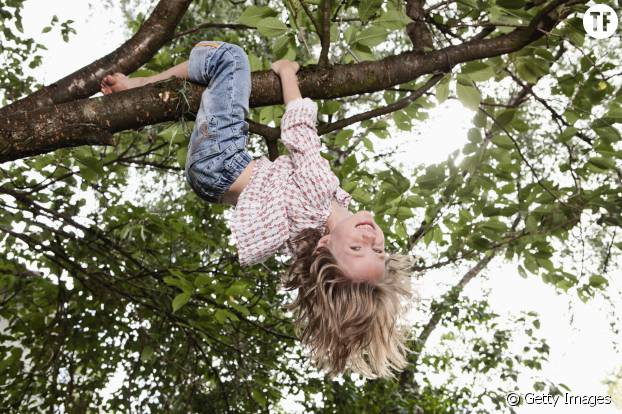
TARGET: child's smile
(357,243)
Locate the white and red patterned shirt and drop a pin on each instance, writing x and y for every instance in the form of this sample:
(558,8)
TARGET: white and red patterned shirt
(288,195)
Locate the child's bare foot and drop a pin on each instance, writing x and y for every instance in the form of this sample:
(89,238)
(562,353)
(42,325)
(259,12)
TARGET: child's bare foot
(118,82)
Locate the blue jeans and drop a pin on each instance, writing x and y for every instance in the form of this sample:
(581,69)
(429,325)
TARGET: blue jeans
(216,153)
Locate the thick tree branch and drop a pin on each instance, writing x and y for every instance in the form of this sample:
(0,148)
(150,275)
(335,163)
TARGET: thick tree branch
(45,129)
(270,135)
(417,30)
(155,32)
(325,34)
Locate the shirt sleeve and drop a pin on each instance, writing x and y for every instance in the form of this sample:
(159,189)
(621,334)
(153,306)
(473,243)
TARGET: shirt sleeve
(298,131)
(312,173)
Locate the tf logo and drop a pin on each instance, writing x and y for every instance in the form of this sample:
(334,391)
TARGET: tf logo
(600,21)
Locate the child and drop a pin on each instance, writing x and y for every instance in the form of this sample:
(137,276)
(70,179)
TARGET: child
(349,288)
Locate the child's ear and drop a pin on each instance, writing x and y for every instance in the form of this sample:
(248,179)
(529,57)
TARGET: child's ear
(323,242)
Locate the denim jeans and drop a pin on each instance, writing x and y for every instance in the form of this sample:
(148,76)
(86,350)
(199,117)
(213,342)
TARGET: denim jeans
(216,153)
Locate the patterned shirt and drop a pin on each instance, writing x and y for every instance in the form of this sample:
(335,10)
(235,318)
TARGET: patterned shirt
(288,195)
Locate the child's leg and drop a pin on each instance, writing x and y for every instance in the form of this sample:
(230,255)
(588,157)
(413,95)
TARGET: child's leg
(216,154)
(118,82)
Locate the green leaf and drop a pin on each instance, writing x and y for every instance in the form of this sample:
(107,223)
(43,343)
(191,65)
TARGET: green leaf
(203,280)
(254,14)
(503,141)
(267,114)
(567,134)
(180,300)
(598,281)
(494,226)
(468,95)
(603,163)
(222,315)
(330,107)
(147,354)
(280,47)
(367,8)
(498,16)
(404,213)
(182,154)
(608,133)
(258,397)
(429,236)
(511,4)
(361,196)
(237,289)
(371,36)
(179,282)
(379,128)
(272,27)
(477,71)
(442,90)
(400,231)
(402,120)
(342,137)
(531,69)
(90,167)
(504,118)
(393,20)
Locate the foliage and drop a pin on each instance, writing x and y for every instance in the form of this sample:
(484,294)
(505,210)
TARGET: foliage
(19,51)
(99,275)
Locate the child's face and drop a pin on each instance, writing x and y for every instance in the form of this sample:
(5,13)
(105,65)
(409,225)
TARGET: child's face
(358,245)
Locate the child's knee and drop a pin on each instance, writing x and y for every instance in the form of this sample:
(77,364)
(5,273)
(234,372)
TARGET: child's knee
(239,55)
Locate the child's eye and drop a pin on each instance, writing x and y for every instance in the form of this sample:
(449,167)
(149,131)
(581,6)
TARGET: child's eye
(378,250)
(355,248)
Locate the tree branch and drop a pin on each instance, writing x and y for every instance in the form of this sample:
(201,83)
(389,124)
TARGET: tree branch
(309,14)
(395,106)
(45,129)
(325,34)
(155,32)
(417,30)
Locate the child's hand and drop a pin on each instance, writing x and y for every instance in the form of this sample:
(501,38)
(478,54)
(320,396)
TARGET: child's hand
(284,65)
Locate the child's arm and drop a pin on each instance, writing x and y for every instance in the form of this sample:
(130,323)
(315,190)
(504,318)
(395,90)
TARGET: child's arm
(286,69)
(298,131)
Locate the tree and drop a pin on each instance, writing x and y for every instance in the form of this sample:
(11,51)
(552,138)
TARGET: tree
(92,280)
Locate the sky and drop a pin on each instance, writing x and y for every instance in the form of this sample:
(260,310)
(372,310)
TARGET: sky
(582,354)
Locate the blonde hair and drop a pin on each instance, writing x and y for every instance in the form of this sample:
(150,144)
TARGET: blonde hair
(349,324)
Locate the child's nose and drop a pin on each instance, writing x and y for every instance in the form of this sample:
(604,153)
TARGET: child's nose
(368,235)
